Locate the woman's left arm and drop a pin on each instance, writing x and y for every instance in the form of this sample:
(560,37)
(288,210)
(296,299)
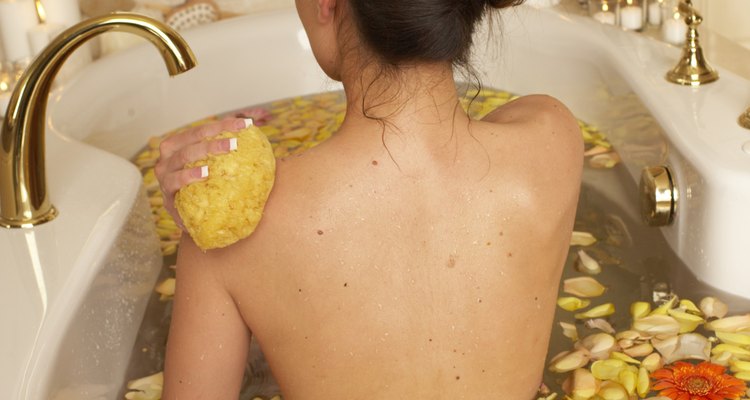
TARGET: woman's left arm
(208,339)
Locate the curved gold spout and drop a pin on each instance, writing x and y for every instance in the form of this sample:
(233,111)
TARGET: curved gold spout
(23,187)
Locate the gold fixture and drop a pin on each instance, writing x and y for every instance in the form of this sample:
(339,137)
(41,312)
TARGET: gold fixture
(745,119)
(693,69)
(658,196)
(23,186)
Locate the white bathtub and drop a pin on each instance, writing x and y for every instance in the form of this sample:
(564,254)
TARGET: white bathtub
(118,102)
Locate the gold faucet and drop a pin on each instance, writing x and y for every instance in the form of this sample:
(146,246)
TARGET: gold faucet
(693,69)
(23,186)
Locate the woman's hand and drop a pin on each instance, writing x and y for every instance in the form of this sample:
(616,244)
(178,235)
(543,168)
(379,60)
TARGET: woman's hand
(186,147)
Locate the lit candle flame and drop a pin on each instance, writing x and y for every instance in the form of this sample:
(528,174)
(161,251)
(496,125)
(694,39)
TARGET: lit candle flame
(40,13)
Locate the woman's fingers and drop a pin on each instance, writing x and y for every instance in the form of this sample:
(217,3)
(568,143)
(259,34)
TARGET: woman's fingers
(176,142)
(187,147)
(198,151)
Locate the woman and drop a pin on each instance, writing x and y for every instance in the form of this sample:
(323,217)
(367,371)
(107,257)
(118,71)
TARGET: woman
(416,254)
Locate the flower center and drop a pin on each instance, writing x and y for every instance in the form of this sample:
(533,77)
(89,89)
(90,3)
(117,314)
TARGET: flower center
(697,385)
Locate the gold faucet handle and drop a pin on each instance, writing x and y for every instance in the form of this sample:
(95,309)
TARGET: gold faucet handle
(692,17)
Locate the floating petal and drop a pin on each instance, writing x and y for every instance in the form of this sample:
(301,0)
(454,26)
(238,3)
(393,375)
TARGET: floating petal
(639,350)
(640,309)
(738,339)
(607,160)
(166,289)
(569,331)
(690,307)
(666,306)
(570,361)
(612,391)
(572,303)
(584,286)
(607,369)
(643,386)
(739,366)
(713,307)
(599,345)
(599,311)
(657,325)
(690,346)
(652,362)
(628,379)
(600,324)
(737,352)
(583,385)
(688,322)
(624,357)
(586,264)
(582,239)
(730,324)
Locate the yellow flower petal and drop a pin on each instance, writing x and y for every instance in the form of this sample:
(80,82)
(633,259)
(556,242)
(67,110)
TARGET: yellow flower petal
(690,307)
(583,385)
(572,303)
(737,352)
(607,369)
(624,357)
(584,286)
(599,311)
(737,339)
(640,309)
(657,324)
(739,366)
(652,362)
(599,345)
(166,288)
(569,361)
(582,239)
(730,324)
(569,331)
(666,306)
(713,307)
(644,383)
(586,264)
(612,391)
(688,322)
(639,350)
(628,378)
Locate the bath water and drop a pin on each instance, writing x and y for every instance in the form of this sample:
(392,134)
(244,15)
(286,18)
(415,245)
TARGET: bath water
(637,263)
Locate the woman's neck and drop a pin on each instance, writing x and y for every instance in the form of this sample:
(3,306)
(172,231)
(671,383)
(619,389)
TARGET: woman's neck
(411,100)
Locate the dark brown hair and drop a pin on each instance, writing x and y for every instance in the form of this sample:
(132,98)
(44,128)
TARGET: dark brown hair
(405,31)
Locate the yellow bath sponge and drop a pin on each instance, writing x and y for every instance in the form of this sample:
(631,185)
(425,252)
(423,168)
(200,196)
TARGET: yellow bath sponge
(228,205)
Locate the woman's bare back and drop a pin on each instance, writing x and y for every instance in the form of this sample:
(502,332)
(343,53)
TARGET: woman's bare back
(433,275)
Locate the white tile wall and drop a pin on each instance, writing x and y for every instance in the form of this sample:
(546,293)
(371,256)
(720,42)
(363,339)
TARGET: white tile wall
(729,18)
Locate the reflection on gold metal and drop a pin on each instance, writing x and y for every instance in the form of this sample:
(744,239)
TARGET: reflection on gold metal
(41,15)
(658,196)
(23,186)
(745,119)
(693,69)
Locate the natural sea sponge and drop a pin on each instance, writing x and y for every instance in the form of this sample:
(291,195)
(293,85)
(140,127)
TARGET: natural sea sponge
(228,205)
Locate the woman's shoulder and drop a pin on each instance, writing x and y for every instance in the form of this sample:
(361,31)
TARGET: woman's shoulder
(545,126)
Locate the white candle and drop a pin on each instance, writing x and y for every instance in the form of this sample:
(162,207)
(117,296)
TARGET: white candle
(631,18)
(41,35)
(62,12)
(605,17)
(654,13)
(16,18)
(674,31)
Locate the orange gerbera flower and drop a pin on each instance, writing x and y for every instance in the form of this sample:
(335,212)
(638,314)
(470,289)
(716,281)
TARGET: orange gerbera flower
(705,381)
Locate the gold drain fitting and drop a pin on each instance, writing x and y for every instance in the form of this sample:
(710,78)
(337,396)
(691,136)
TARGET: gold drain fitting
(658,196)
